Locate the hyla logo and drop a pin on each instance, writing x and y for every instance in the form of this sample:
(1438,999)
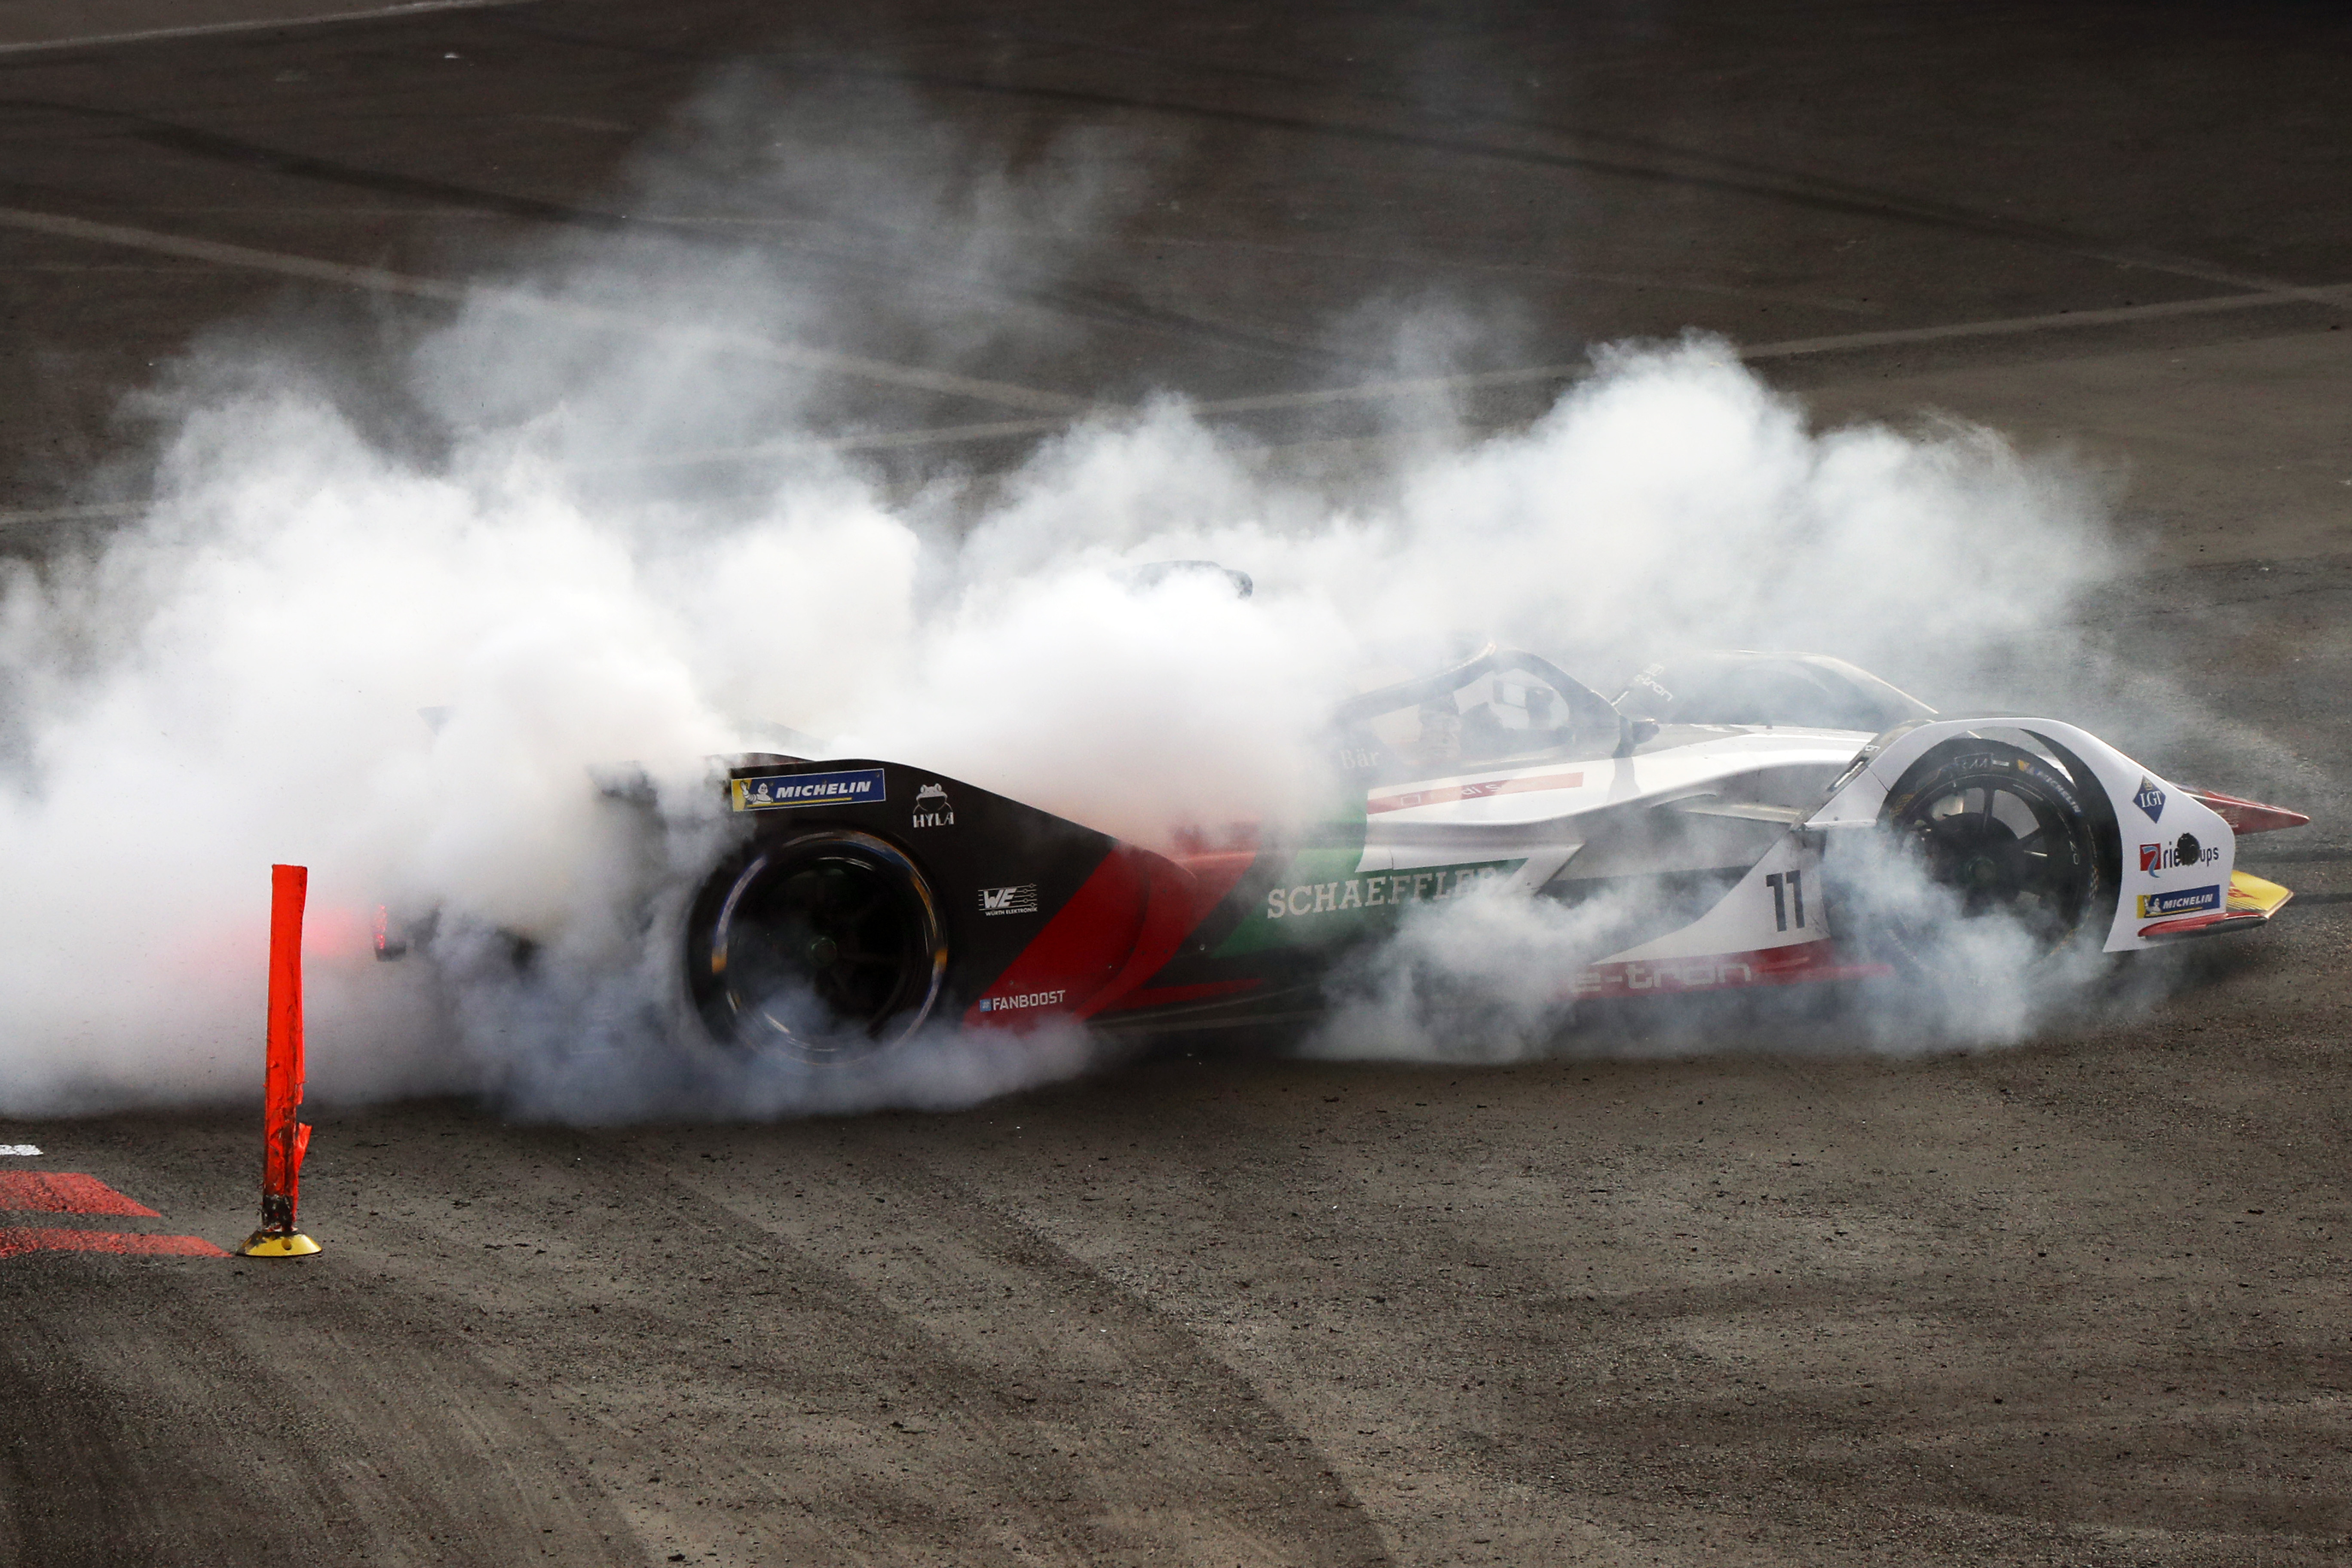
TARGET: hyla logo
(932,808)
(2150,799)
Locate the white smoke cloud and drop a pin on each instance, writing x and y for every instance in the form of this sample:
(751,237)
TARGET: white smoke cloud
(1487,977)
(237,679)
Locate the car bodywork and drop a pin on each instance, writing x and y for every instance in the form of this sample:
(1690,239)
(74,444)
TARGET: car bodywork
(1695,819)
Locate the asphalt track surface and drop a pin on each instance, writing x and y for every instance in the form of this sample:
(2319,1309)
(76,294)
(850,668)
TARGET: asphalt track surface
(2080,1301)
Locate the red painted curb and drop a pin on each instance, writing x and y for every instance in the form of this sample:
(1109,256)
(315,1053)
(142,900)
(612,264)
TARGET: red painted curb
(14,1239)
(64,1192)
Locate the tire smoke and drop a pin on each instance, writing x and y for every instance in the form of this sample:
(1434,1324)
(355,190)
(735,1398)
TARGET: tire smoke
(238,678)
(1486,978)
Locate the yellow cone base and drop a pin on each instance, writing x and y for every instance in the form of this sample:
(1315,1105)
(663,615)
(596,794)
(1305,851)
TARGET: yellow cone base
(270,1244)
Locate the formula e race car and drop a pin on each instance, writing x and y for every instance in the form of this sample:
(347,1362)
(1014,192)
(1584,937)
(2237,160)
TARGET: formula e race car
(1710,822)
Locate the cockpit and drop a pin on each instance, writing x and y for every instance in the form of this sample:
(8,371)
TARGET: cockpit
(1499,708)
(1503,707)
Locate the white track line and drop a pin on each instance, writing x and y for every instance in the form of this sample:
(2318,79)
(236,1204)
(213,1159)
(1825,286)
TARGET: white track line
(98,513)
(255,24)
(1069,410)
(1796,348)
(1437,385)
(379,280)
(21,1150)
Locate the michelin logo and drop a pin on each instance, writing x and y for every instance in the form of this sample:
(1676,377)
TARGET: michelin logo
(860,787)
(1021,900)
(2179,901)
(1031,999)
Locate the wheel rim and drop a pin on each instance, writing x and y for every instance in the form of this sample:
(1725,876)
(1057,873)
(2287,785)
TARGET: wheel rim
(827,950)
(2005,849)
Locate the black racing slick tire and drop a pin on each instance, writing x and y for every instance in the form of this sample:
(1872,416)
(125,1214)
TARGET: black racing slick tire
(825,947)
(2002,834)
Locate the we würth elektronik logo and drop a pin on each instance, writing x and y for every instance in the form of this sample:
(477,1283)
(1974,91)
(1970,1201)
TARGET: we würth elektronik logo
(1020,901)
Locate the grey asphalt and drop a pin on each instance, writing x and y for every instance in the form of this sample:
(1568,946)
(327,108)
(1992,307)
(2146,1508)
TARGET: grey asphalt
(2081,1301)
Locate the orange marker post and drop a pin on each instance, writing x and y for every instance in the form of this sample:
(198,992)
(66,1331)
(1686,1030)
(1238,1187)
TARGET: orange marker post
(284,1137)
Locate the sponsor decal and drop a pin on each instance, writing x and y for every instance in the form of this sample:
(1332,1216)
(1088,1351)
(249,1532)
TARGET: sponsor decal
(1020,901)
(1027,999)
(1321,897)
(861,787)
(1663,974)
(1446,794)
(2150,799)
(2155,860)
(1803,961)
(932,808)
(2178,901)
(1373,892)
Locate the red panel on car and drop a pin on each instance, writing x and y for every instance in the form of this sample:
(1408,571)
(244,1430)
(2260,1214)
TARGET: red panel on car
(1084,947)
(1176,904)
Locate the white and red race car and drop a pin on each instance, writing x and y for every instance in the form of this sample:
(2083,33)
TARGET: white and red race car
(1731,820)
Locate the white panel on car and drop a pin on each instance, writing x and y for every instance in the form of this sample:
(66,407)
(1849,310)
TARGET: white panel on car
(1778,903)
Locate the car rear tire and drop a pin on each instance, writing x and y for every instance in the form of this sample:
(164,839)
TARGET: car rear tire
(2006,833)
(825,947)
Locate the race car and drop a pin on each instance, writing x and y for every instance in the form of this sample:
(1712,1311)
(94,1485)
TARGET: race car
(1727,822)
